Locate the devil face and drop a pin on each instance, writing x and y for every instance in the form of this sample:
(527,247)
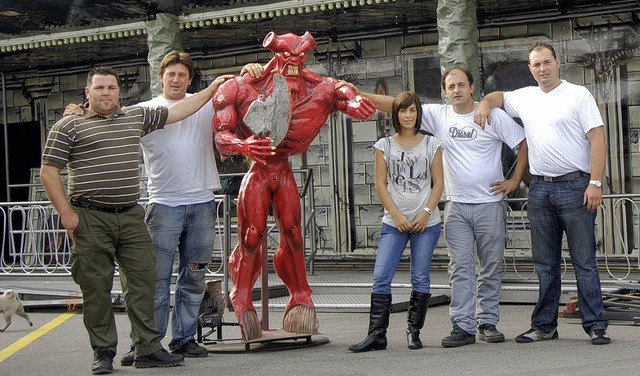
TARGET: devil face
(290,51)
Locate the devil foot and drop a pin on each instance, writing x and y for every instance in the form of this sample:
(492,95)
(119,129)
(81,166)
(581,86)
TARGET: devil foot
(251,328)
(301,319)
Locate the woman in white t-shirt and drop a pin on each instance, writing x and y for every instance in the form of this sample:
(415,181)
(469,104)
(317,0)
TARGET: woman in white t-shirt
(409,182)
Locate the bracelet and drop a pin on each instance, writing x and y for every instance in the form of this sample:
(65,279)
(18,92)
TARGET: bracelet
(426,208)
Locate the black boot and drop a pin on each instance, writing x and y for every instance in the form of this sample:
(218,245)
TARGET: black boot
(378,324)
(415,318)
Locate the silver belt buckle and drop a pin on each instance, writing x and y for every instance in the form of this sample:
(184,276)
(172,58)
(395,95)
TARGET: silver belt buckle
(548,179)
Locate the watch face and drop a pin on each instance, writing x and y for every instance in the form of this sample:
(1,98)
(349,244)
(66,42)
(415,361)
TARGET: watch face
(597,183)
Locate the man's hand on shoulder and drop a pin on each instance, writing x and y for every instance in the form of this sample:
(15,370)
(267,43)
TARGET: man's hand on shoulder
(254,69)
(482,115)
(73,109)
(342,83)
(218,80)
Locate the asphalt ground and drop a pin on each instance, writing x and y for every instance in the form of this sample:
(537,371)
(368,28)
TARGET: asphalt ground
(57,344)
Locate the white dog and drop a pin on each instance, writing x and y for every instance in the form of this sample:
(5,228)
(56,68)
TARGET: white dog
(10,304)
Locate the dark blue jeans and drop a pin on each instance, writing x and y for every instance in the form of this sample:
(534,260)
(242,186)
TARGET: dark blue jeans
(554,208)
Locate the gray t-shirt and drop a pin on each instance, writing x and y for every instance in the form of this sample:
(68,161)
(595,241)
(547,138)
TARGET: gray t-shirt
(409,176)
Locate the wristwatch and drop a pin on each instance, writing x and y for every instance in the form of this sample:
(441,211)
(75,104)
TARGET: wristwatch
(426,208)
(597,183)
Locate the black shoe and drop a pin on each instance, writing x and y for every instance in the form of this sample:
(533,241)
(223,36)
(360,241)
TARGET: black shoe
(102,361)
(160,358)
(533,335)
(489,334)
(600,337)
(373,341)
(458,338)
(127,359)
(191,349)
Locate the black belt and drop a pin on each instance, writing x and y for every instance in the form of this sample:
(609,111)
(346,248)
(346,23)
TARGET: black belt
(570,176)
(87,205)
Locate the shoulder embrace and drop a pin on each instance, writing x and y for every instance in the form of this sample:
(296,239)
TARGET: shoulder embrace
(499,113)
(229,92)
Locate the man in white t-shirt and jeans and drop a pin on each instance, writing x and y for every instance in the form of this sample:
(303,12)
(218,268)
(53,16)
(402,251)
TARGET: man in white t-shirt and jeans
(475,214)
(181,213)
(567,155)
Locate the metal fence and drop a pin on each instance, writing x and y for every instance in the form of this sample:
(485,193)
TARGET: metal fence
(35,243)
(617,238)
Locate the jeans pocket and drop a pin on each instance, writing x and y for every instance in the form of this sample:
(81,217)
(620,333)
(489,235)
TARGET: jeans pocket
(579,184)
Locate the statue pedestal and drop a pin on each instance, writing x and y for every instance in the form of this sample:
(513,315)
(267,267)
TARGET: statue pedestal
(271,340)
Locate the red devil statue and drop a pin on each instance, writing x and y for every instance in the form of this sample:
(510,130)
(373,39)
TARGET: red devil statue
(269,118)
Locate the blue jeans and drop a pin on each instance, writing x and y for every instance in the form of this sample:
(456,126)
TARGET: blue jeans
(468,227)
(554,208)
(391,245)
(188,229)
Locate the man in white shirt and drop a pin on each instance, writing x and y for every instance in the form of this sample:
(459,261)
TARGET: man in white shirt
(567,154)
(181,213)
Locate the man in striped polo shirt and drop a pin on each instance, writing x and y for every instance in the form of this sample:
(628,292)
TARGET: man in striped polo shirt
(101,151)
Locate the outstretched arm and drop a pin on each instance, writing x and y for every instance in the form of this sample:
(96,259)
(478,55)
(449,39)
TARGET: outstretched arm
(482,114)
(382,102)
(186,107)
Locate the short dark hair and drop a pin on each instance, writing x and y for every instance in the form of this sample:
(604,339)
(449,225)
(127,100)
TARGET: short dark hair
(459,67)
(102,71)
(176,57)
(404,100)
(542,45)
